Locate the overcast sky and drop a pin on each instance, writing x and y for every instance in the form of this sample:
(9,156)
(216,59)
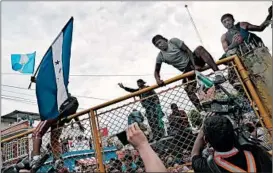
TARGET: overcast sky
(111,38)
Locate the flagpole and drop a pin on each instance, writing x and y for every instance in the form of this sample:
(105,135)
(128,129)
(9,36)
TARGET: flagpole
(196,30)
(47,52)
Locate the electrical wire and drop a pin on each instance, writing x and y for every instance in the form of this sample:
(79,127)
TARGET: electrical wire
(18,93)
(22,100)
(88,97)
(95,75)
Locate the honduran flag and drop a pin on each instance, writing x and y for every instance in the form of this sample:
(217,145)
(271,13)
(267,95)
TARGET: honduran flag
(53,74)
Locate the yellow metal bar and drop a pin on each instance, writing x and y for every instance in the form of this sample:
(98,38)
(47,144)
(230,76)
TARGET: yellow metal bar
(171,80)
(97,140)
(18,135)
(263,113)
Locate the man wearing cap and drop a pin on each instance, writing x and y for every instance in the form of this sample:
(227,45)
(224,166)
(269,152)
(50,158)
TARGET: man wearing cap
(152,106)
(176,53)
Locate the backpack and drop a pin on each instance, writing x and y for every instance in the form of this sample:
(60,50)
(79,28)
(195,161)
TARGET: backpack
(69,107)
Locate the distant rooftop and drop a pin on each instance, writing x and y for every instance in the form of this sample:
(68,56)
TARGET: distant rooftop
(20,114)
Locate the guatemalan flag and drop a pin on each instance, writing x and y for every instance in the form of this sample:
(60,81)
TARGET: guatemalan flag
(53,74)
(23,63)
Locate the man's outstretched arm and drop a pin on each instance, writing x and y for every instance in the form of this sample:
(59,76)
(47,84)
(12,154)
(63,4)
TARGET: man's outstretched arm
(259,28)
(126,88)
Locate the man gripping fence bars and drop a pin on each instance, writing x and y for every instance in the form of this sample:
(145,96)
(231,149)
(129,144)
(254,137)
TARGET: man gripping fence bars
(54,100)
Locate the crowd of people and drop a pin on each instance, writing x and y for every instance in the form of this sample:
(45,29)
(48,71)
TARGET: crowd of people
(216,131)
(229,153)
(134,163)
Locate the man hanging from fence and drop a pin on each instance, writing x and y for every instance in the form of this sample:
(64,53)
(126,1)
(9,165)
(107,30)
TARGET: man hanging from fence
(151,104)
(176,53)
(53,98)
(253,54)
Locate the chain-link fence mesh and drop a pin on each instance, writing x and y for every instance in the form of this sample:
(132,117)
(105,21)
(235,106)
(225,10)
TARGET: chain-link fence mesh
(72,143)
(170,117)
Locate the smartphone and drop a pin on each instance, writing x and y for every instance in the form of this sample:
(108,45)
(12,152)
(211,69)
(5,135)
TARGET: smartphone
(122,136)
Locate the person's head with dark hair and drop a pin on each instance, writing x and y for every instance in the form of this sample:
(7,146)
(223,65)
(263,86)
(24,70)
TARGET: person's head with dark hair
(174,107)
(141,83)
(227,20)
(160,42)
(219,132)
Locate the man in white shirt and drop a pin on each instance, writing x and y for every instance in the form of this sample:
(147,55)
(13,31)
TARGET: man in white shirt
(176,53)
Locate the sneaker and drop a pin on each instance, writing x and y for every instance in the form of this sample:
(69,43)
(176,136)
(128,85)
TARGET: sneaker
(37,163)
(219,77)
(59,164)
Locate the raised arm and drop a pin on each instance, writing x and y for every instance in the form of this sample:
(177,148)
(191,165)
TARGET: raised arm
(127,89)
(130,89)
(259,28)
(150,159)
(198,144)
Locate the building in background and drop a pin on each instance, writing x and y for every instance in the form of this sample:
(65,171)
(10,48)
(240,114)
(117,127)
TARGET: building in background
(13,124)
(17,116)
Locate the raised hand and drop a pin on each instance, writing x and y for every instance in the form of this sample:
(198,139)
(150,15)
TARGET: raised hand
(136,136)
(120,85)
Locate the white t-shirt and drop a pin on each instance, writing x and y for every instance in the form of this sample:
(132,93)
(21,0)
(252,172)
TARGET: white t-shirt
(174,55)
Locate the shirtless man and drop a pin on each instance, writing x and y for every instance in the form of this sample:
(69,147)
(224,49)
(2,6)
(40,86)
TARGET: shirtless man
(237,34)
(254,55)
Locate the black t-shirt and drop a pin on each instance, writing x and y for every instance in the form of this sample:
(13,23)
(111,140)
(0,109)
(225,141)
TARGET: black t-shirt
(262,159)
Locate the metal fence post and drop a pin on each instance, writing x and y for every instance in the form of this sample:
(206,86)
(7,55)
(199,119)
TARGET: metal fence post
(263,113)
(98,147)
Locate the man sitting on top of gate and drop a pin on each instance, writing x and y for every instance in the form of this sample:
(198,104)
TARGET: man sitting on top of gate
(219,133)
(254,55)
(176,53)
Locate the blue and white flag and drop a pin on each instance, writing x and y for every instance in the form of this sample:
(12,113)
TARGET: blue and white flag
(23,63)
(52,78)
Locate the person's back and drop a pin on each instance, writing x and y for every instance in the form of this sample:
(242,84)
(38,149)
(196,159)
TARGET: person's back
(228,156)
(251,159)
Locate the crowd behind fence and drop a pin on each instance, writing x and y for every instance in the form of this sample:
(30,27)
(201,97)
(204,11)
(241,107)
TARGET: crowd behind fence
(171,123)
